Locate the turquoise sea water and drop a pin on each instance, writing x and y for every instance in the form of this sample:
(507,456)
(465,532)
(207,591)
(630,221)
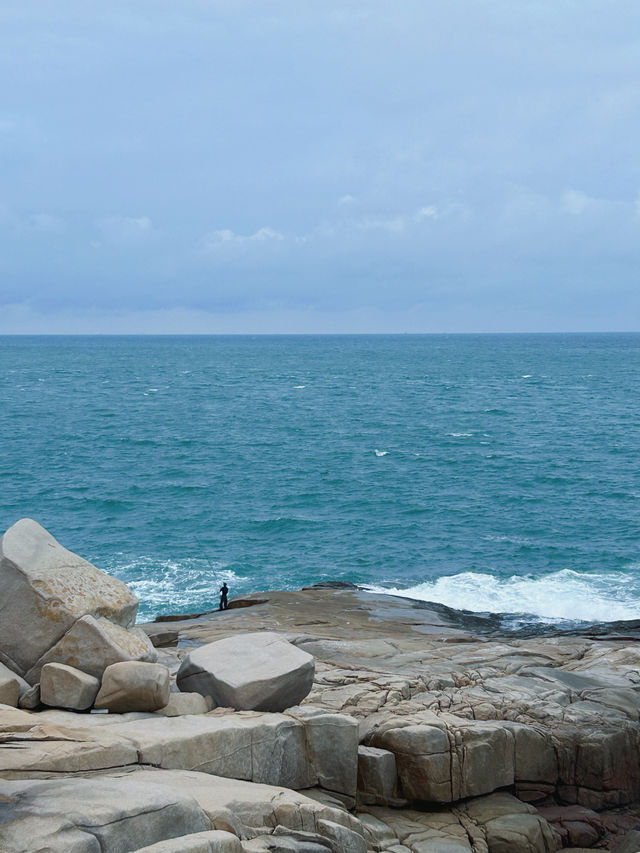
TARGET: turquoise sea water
(488,472)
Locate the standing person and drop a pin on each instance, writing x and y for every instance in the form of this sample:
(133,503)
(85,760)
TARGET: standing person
(224,592)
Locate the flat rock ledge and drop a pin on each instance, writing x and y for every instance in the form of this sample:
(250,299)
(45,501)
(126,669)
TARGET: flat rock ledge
(422,733)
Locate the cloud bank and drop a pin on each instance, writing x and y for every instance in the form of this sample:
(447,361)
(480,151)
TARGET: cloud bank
(361,166)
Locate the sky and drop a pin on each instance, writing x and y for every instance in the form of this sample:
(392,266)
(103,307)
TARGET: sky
(234,166)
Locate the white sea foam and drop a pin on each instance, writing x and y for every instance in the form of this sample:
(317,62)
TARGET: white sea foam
(460,434)
(175,586)
(526,375)
(381,452)
(562,595)
(299,387)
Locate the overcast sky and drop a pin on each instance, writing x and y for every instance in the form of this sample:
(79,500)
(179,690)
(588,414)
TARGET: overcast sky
(331,166)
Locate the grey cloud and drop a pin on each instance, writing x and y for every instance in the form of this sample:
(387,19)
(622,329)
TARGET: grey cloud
(350,161)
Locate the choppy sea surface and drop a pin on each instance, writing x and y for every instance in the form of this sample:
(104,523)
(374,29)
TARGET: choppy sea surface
(486,472)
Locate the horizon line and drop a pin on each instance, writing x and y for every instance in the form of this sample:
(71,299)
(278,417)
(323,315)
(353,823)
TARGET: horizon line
(302,334)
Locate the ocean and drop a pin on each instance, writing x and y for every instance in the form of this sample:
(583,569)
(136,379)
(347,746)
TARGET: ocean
(487,472)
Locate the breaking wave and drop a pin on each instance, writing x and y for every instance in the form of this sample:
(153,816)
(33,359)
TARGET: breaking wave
(563,595)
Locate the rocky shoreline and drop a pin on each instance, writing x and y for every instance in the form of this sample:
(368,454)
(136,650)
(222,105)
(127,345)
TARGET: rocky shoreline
(425,730)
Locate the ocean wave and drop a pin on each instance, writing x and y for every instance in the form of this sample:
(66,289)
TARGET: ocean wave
(174,586)
(381,452)
(562,595)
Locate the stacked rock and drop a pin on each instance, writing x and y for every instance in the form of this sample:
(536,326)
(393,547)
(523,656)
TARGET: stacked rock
(58,608)
(67,632)
(68,640)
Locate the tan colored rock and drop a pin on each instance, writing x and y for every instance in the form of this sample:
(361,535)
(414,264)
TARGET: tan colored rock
(133,686)
(423,757)
(267,748)
(510,825)
(248,809)
(45,589)
(214,841)
(6,672)
(261,672)
(93,644)
(63,686)
(331,748)
(158,811)
(30,699)
(87,814)
(42,749)
(377,774)
(9,691)
(343,838)
(181,704)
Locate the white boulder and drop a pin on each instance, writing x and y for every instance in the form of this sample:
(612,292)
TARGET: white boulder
(249,672)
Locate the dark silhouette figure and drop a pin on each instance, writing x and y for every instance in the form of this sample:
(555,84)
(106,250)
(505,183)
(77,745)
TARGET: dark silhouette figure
(224,592)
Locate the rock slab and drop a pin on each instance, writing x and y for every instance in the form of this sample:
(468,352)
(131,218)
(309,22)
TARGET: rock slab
(249,672)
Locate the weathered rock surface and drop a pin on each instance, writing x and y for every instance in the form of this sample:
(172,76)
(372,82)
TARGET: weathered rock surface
(6,673)
(63,686)
(377,775)
(214,841)
(251,672)
(275,749)
(462,709)
(58,608)
(465,708)
(93,814)
(133,686)
(629,844)
(45,589)
(93,644)
(172,809)
(30,699)
(9,691)
(182,704)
